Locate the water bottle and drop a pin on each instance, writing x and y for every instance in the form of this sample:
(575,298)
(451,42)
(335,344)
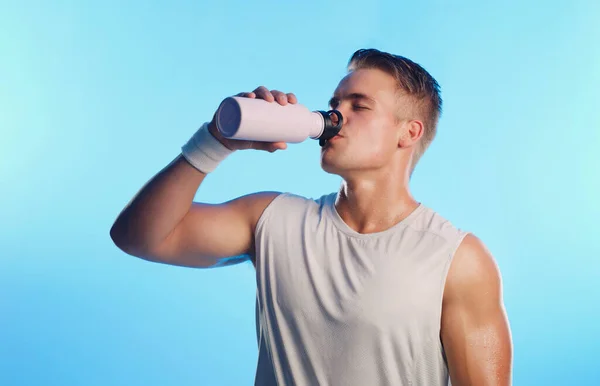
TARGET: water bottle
(258,120)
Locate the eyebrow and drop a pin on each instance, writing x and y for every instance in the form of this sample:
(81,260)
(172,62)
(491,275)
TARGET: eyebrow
(354,95)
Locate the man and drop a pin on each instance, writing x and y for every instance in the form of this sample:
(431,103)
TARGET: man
(365,286)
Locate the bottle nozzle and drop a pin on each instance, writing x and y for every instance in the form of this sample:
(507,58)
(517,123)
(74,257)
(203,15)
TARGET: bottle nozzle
(333,122)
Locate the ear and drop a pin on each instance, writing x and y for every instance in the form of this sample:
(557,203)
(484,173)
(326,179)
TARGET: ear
(412,131)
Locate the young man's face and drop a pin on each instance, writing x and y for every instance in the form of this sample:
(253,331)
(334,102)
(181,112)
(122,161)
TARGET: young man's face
(370,104)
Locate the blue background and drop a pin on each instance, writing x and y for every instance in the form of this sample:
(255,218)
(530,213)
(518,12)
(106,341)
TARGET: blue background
(96,97)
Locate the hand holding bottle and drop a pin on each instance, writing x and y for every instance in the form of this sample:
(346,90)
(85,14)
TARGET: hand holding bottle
(273,119)
(263,93)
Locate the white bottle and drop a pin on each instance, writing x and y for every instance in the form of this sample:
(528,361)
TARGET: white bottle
(258,120)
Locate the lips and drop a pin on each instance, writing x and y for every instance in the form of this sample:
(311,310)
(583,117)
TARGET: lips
(330,140)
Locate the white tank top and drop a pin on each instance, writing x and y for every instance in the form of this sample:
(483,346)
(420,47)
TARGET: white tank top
(340,308)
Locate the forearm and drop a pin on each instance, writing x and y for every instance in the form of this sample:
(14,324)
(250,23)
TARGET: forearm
(157,208)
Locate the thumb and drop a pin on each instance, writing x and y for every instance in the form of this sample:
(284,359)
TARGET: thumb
(269,146)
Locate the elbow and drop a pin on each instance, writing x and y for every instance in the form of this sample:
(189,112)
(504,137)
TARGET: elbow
(117,237)
(121,240)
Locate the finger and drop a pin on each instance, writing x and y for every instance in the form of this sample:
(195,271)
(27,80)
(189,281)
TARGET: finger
(280,97)
(246,95)
(269,146)
(273,147)
(263,93)
(291,97)
(279,145)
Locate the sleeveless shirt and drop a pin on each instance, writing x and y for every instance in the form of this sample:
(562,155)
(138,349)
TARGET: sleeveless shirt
(336,307)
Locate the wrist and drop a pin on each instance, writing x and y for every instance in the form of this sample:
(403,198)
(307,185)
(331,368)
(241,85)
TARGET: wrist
(212,129)
(203,151)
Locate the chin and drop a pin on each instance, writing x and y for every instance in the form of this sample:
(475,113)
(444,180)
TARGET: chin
(328,166)
(338,161)
(330,170)
(332,165)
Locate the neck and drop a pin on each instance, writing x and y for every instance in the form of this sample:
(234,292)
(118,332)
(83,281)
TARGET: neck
(370,205)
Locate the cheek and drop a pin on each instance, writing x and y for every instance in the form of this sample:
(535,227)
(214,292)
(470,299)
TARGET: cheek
(378,141)
(372,138)
(370,149)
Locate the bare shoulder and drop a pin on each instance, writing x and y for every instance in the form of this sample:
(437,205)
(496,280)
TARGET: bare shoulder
(247,208)
(254,205)
(473,268)
(211,234)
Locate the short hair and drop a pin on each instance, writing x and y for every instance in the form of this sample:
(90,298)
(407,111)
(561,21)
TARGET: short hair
(414,81)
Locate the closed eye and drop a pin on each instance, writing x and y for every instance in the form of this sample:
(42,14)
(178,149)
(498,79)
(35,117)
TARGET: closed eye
(335,102)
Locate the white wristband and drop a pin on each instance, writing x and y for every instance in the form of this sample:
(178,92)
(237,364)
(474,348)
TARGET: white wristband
(203,151)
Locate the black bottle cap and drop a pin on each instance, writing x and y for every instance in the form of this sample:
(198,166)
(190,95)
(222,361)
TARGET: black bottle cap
(333,124)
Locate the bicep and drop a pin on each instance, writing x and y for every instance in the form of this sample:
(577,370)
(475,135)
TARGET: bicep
(475,330)
(213,235)
(477,346)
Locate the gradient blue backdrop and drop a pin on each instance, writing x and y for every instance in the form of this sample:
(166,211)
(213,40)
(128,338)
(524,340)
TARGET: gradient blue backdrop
(96,97)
